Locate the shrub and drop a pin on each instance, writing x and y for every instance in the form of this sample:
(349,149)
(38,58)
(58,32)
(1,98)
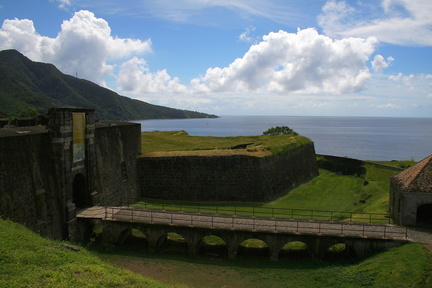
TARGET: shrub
(280,130)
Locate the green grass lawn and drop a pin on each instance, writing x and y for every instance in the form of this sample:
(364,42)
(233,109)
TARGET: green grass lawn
(28,260)
(329,191)
(181,141)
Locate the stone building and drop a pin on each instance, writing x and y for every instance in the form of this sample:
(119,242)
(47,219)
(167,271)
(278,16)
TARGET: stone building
(411,195)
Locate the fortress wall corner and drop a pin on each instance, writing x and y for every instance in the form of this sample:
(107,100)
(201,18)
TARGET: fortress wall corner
(225,178)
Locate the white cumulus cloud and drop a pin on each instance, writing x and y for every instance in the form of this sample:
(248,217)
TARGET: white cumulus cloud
(134,78)
(84,45)
(22,36)
(302,62)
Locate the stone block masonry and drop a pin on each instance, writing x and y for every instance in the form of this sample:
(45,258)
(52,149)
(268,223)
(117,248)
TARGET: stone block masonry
(28,182)
(118,145)
(225,178)
(43,184)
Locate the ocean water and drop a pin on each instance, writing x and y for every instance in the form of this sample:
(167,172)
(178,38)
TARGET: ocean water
(365,138)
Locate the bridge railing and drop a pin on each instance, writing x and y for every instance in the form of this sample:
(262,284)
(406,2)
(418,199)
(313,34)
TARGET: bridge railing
(256,224)
(258,211)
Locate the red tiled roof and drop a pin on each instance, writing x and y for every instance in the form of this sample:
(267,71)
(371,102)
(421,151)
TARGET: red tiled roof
(417,178)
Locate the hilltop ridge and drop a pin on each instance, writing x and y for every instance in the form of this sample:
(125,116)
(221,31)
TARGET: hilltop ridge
(26,84)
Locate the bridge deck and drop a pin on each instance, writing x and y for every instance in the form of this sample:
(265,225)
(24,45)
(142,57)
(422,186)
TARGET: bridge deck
(254,224)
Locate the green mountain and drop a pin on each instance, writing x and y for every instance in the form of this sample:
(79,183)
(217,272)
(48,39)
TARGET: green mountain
(25,84)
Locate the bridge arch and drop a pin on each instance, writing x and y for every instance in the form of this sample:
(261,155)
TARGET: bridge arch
(253,247)
(340,250)
(294,250)
(172,242)
(137,238)
(424,215)
(212,245)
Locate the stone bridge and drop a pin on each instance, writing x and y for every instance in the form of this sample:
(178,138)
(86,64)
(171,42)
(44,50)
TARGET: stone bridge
(361,240)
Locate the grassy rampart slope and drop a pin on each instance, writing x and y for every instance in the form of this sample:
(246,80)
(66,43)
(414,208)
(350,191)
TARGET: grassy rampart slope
(329,191)
(28,260)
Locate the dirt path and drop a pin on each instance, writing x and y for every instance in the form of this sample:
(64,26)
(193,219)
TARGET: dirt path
(420,235)
(171,271)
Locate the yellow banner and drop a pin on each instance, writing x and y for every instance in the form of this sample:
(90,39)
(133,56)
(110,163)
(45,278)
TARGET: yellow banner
(78,135)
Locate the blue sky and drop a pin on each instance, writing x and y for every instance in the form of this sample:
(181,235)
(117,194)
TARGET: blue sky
(239,57)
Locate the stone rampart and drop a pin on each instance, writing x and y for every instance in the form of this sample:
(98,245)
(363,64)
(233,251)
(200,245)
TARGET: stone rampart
(117,147)
(225,178)
(28,182)
(37,183)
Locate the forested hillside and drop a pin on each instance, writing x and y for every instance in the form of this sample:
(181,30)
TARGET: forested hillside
(25,84)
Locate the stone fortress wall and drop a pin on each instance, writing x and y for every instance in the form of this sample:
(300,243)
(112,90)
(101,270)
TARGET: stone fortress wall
(42,188)
(28,182)
(225,178)
(118,144)
(42,185)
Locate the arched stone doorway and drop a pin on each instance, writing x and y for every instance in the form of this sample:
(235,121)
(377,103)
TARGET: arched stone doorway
(424,215)
(80,196)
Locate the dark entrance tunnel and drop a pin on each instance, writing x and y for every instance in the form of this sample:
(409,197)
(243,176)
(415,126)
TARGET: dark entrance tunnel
(424,215)
(81,196)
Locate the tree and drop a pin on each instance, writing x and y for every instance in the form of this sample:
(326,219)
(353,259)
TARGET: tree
(280,130)
(31,112)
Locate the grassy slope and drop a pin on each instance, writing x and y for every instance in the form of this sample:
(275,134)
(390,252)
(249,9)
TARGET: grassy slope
(333,192)
(328,191)
(28,260)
